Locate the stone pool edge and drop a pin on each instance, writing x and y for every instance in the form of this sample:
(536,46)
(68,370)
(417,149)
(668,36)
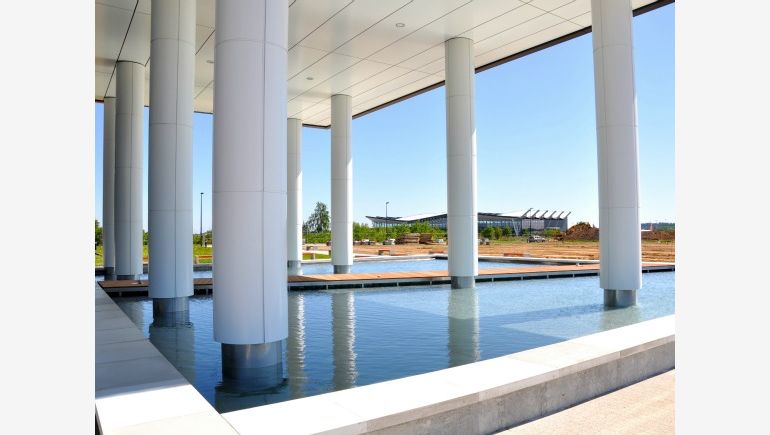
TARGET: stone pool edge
(137,390)
(482,397)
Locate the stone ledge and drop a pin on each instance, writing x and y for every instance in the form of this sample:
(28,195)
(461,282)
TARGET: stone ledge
(482,397)
(136,389)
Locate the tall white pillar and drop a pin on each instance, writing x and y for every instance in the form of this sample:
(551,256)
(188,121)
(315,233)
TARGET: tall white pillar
(249,188)
(342,183)
(618,154)
(462,218)
(294,193)
(129,137)
(108,189)
(172,51)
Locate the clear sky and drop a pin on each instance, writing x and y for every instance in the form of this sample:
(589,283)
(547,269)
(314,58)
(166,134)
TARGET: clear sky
(535,132)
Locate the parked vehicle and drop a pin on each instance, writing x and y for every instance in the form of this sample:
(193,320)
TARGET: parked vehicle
(535,238)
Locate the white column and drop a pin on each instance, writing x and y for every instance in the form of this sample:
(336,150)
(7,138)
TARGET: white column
(462,218)
(342,183)
(170,175)
(618,155)
(294,193)
(129,139)
(108,189)
(249,188)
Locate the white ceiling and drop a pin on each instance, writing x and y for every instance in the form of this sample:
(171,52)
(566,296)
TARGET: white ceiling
(353,46)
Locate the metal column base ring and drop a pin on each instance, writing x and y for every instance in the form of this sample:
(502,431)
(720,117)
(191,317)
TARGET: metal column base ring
(619,298)
(463,281)
(255,366)
(345,268)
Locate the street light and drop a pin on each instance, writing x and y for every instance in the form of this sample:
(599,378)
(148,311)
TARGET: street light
(201,221)
(386,218)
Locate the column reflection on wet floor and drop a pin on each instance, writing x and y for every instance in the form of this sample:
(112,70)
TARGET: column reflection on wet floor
(463,313)
(343,339)
(174,336)
(295,346)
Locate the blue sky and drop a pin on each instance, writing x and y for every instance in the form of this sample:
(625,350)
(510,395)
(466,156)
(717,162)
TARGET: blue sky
(536,139)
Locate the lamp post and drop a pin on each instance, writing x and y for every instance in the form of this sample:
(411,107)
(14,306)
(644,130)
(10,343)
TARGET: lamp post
(201,221)
(386,218)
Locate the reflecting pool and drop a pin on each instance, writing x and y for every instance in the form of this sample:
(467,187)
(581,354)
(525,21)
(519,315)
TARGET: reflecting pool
(344,338)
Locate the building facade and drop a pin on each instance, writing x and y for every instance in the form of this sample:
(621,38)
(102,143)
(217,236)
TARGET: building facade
(529,220)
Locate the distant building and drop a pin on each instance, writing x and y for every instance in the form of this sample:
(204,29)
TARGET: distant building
(535,221)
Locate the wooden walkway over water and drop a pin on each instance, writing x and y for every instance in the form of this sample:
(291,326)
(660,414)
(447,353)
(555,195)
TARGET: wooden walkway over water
(394,279)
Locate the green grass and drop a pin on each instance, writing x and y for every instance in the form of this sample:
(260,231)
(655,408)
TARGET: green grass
(197,250)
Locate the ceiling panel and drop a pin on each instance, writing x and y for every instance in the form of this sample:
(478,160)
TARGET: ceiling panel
(353,47)
(303,57)
(318,72)
(349,22)
(137,45)
(307,15)
(398,25)
(573,9)
(342,81)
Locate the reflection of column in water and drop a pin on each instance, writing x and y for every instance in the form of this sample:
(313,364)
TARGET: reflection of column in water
(611,318)
(463,326)
(173,335)
(343,339)
(295,344)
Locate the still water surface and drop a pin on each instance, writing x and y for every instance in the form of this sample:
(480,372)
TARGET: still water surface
(344,338)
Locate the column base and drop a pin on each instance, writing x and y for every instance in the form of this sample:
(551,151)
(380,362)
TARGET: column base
(109,273)
(128,277)
(253,366)
(459,282)
(619,298)
(345,268)
(295,267)
(166,306)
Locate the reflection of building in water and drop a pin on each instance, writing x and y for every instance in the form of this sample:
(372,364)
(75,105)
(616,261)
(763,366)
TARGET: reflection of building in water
(173,335)
(343,339)
(295,345)
(463,313)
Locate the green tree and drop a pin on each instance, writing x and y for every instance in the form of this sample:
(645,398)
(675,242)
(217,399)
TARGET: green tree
(98,230)
(318,222)
(498,232)
(507,232)
(488,232)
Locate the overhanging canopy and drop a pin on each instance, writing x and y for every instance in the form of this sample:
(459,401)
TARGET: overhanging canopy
(376,51)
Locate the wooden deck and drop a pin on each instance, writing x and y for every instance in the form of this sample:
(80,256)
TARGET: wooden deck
(394,279)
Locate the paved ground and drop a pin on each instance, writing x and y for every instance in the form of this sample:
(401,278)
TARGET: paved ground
(646,407)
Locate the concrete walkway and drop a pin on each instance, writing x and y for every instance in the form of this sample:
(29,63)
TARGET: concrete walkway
(646,407)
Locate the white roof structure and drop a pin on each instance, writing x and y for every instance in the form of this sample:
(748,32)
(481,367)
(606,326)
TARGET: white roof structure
(417,217)
(515,214)
(378,52)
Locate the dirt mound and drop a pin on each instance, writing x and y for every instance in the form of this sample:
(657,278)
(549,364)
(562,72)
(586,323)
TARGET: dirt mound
(658,235)
(582,231)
